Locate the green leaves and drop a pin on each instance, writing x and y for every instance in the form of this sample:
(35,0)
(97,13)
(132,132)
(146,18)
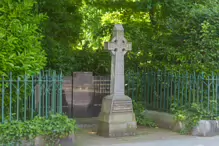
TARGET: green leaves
(172,34)
(191,113)
(56,127)
(141,119)
(51,129)
(17,131)
(21,50)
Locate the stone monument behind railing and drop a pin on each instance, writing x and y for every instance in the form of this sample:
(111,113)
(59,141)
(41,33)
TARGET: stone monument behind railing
(117,117)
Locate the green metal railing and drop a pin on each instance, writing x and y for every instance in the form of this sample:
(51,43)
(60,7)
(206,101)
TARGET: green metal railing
(23,97)
(159,90)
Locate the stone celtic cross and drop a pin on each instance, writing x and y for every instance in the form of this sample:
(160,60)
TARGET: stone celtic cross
(117,117)
(118,48)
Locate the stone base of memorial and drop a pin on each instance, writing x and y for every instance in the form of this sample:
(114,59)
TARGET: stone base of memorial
(117,117)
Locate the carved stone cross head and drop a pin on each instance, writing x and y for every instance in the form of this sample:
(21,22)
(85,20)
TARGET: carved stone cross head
(119,43)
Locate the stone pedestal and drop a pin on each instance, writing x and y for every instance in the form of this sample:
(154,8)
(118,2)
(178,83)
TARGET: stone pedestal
(117,117)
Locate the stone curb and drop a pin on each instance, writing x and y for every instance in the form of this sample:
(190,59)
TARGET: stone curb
(205,128)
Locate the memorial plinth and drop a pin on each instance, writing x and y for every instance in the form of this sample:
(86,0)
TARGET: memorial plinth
(117,117)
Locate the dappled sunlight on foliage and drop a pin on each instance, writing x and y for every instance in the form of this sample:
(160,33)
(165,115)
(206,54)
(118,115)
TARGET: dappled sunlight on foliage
(172,34)
(21,50)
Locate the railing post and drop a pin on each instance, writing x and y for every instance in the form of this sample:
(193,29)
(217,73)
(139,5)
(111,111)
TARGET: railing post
(60,93)
(148,87)
(186,92)
(168,92)
(53,92)
(208,93)
(10,86)
(3,95)
(144,88)
(179,80)
(213,93)
(25,97)
(32,97)
(46,95)
(18,97)
(40,92)
(202,89)
(216,96)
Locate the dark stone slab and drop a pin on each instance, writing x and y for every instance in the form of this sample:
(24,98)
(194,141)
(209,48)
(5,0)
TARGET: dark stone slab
(82,78)
(82,94)
(67,80)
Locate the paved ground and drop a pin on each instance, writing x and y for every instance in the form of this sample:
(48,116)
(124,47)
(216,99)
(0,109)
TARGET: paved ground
(177,142)
(145,137)
(88,137)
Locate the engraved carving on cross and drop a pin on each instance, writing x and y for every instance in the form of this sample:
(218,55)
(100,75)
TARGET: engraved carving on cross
(118,48)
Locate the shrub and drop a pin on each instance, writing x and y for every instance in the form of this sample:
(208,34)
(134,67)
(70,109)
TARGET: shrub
(53,128)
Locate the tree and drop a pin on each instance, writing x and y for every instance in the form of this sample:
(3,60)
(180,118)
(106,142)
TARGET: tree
(20,38)
(61,31)
(173,35)
(21,49)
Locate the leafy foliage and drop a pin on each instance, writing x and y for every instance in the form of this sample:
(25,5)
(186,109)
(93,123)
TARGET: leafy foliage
(172,34)
(61,32)
(141,119)
(20,38)
(176,35)
(191,113)
(52,129)
(21,50)
(16,131)
(57,127)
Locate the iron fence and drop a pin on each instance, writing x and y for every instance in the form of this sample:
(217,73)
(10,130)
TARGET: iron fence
(159,90)
(23,97)
(26,96)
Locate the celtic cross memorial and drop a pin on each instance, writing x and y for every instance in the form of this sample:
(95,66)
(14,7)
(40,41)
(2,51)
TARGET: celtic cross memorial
(117,117)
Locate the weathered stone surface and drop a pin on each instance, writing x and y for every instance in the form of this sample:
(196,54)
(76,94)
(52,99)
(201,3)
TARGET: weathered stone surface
(117,117)
(118,48)
(82,94)
(206,128)
(116,123)
(122,106)
(164,120)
